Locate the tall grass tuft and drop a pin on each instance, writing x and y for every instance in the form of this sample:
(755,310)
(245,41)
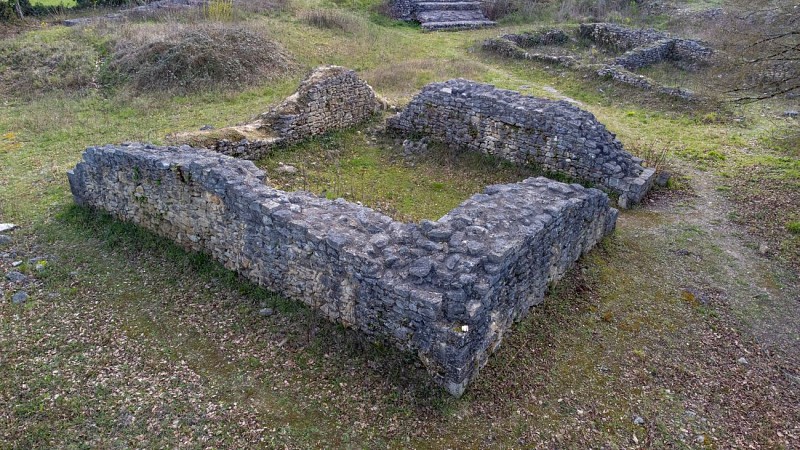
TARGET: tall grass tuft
(331,19)
(219,10)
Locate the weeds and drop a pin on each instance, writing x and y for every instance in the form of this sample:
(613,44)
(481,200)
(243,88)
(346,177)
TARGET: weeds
(331,19)
(219,10)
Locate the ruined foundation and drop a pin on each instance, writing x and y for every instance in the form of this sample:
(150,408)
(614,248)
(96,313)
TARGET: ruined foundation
(553,135)
(445,290)
(634,49)
(330,98)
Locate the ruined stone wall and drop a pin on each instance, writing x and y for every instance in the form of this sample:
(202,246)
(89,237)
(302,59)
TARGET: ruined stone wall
(617,37)
(446,290)
(645,47)
(331,98)
(554,135)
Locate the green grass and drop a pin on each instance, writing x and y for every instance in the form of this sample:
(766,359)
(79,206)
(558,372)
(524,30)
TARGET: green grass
(61,3)
(130,341)
(346,164)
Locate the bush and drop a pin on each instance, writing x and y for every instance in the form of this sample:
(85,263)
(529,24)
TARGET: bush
(331,19)
(497,9)
(183,58)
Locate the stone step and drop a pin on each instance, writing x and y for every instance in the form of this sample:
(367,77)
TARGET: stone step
(457,25)
(450,16)
(448,6)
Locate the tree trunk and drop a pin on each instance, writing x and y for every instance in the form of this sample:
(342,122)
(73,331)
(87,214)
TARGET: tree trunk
(19,10)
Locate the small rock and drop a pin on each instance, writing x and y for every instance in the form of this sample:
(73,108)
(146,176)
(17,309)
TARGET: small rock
(638,421)
(285,168)
(763,249)
(742,360)
(15,277)
(19,298)
(7,227)
(700,439)
(206,128)
(791,113)
(265,312)
(16,263)
(662,178)
(623,201)
(40,266)
(4,240)
(421,267)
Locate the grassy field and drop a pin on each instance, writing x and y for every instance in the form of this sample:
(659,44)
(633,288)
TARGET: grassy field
(686,318)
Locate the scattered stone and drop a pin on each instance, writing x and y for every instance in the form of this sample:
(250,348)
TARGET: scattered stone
(19,297)
(5,239)
(638,421)
(763,249)
(7,227)
(40,266)
(791,113)
(286,168)
(700,439)
(266,312)
(662,178)
(206,128)
(15,277)
(16,263)
(742,360)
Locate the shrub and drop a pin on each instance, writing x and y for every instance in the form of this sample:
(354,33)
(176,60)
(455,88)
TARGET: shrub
(331,19)
(183,58)
(219,10)
(497,9)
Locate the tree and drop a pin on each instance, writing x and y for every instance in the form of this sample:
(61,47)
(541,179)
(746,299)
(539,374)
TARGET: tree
(764,50)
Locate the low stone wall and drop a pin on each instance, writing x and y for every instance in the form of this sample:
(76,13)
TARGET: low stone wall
(554,135)
(641,47)
(617,37)
(330,98)
(446,290)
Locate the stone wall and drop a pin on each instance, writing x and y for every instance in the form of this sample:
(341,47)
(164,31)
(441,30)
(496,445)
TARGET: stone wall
(445,290)
(645,47)
(554,135)
(641,47)
(330,98)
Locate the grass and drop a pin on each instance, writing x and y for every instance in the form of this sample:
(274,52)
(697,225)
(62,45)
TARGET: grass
(130,341)
(351,165)
(61,3)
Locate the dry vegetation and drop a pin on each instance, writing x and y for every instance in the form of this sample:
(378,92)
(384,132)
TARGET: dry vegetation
(678,332)
(191,58)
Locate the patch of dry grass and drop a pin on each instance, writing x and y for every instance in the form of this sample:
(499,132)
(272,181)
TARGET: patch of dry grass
(183,58)
(331,19)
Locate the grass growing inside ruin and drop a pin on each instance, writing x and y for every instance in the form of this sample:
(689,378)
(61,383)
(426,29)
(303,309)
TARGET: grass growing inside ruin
(352,165)
(129,341)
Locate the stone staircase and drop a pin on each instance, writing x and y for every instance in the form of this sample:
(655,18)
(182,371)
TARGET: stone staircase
(448,15)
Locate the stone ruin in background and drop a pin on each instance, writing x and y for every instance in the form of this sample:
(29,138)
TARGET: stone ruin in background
(446,290)
(441,15)
(634,49)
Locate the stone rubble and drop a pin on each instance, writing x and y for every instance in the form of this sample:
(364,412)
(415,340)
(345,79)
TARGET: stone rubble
(446,290)
(330,98)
